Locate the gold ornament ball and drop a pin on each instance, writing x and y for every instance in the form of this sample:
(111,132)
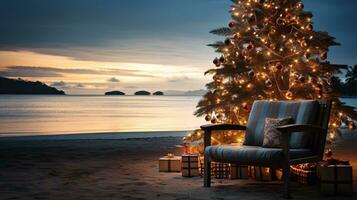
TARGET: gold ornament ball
(245,106)
(214,121)
(351,126)
(338,123)
(300,5)
(251,73)
(289,95)
(309,27)
(268,83)
(220,116)
(328,153)
(323,56)
(208,118)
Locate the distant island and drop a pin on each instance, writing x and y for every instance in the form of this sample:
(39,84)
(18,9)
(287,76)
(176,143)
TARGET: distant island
(158,93)
(19,86)
(115,93)
(142,92)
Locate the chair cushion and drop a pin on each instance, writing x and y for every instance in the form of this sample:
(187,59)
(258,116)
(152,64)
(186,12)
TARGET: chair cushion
(252,155)
(303,112)
(273,137)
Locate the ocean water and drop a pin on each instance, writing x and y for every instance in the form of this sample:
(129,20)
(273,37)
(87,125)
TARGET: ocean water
(52,115)
(46,114)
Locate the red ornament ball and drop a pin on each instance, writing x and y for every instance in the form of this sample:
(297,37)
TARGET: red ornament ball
(250,46)
(216,62)
(222,59)
(279,66)
(232,24)
(228,41)
(302,79)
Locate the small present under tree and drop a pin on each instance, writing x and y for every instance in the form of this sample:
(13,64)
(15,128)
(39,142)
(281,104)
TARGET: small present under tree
(270,52)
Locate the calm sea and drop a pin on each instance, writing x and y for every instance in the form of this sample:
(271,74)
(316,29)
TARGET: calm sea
(44,115)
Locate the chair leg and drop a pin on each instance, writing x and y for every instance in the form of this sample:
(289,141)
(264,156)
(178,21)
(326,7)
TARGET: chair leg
(207,172)
(286,174)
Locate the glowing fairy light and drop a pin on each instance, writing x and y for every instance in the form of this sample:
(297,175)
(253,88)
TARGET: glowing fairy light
(272,55)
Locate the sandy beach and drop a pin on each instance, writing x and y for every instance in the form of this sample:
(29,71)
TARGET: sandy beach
(68,168)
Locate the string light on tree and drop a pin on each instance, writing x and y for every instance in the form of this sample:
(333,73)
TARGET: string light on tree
(270,51)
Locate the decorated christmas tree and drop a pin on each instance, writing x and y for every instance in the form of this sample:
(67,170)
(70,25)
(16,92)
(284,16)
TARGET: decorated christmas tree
(270,52)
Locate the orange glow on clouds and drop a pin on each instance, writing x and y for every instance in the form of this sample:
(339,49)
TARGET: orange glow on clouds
(149,75)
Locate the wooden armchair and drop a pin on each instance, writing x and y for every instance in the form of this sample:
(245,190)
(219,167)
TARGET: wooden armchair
(303,141)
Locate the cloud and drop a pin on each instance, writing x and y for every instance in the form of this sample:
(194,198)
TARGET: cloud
(113,80)
(22,71)
(60,84)
(178,79)
(79,85)
(109,31)
(31,71)
(66,85)
(131,87)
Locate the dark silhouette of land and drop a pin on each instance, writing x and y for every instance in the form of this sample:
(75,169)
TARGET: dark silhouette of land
(142,92)
(158,93)
(19,86)
(115,93)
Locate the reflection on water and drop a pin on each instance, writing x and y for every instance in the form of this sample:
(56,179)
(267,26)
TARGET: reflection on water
(30,114)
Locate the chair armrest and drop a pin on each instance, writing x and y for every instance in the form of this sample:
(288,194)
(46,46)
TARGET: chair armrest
(222,127)
(288,129)
(291,128)
(212,127)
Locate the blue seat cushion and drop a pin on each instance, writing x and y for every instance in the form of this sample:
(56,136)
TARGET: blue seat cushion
(302,112)
(252,155)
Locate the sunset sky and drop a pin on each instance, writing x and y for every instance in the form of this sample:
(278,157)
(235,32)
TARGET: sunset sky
(92,46)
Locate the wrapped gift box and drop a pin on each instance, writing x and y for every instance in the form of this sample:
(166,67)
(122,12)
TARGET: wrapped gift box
(304,175)
(239,171)
(336,179)
(262,173)
(190,165)
(170,163)
(220,170)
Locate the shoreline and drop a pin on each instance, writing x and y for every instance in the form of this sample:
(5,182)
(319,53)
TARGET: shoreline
(95,135)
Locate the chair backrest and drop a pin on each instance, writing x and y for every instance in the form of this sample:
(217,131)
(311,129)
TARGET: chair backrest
(303,112)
